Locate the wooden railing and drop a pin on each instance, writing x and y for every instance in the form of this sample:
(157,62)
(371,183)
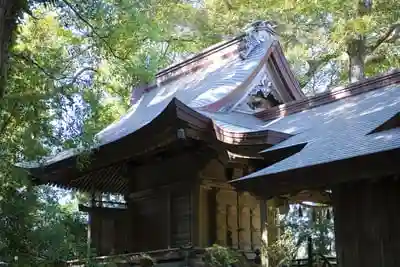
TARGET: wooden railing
(162,255)
(317,261)
(187,257)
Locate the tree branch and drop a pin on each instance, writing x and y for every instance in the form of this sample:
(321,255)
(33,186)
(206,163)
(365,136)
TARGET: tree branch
(59,89)
(102,38)
(78,74)
(165,51)
(389,37)
(316,64)
(7,121)
(180,39)
(37,65)
(50,75)
(228,4)
(374,59)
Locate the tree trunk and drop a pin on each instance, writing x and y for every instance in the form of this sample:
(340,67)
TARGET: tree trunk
(9,11)
(356,51)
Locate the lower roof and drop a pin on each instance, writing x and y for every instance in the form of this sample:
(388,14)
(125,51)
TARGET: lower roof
(342,130)
(177,123)
(313,133)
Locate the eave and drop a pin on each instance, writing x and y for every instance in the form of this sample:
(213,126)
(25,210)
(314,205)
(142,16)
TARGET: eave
(326,175)
(353,89)
(107,162)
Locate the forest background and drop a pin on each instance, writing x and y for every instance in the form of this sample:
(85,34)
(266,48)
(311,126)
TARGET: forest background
(68,67)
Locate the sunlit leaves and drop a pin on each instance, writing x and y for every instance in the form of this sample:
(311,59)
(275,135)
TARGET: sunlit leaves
(311,25)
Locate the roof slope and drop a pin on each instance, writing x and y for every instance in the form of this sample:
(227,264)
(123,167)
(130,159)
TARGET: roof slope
(197,90)
(199,94)
(334,131)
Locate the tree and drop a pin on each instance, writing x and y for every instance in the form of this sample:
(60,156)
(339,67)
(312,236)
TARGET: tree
(38,84)
(316,221)
(362,33)
(65,63)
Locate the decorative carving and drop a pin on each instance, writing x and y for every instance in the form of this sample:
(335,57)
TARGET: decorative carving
(263,95)
(255,34)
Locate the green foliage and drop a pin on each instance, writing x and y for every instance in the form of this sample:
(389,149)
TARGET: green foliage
(316,222)
(39,229)
(283,251)
(218,256)
(317,34)
(41,91)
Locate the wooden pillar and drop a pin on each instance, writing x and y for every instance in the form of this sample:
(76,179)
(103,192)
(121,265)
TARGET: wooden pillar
(132,220)
(270,230)
(272,221)
(89,237)
(89,229)
(168,219)
(263,231)
(195,208)
(309,252)
(367,220)
(212,216)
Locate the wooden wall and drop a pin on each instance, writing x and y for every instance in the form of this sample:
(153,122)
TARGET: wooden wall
(109,227)
(163,218)
(227,217)
(367,222)
(148,223)
(200,208)
(155,220)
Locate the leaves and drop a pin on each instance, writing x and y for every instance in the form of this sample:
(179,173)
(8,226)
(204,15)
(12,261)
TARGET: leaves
(219,256)
(314,29)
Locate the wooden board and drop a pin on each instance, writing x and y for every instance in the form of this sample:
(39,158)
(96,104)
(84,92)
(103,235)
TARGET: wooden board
(181,213)
(367,220)
(110,230)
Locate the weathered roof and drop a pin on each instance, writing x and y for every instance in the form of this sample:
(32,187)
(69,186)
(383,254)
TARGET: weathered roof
(335,131)
(197,90)
(199,94)
(201,98)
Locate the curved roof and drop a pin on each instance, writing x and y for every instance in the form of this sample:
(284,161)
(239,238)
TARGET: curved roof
(197,90)
(182,98)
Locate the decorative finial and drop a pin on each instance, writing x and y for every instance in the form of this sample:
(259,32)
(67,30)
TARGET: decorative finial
(255,34)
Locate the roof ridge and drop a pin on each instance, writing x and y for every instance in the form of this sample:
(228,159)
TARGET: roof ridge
(200,55)
(335,94)
(216,47)
(223,51)
(192,64)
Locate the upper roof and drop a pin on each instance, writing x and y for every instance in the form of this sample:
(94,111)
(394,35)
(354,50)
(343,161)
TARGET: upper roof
(207,93)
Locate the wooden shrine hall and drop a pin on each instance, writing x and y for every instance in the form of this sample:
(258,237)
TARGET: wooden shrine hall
(204,147)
